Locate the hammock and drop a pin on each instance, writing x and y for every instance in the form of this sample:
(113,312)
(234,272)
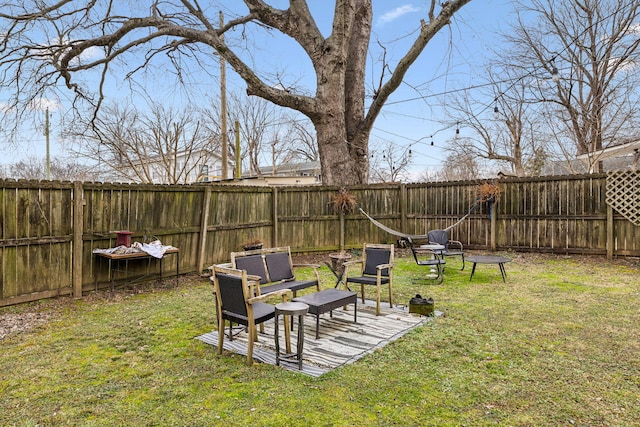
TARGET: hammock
(414,236)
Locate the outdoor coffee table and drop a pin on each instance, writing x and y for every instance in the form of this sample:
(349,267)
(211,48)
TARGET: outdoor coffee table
(328,300)
(488,259)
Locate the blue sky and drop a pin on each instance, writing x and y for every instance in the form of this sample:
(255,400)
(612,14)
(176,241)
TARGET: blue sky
(452,61)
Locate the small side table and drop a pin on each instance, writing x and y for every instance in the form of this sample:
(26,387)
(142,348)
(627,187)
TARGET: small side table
(337,265)
(436,249)
(286,309)
(489,259)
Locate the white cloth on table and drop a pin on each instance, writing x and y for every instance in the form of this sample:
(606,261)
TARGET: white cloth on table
(156,249)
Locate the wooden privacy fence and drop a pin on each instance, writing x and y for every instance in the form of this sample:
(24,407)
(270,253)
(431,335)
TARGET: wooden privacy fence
(49,229)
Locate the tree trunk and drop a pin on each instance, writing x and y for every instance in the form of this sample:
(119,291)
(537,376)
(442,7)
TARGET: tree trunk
(344,162)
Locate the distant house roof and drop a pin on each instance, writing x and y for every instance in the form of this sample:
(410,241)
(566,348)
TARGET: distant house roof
(293,169)
(296,168)
(272,181)
(617,150)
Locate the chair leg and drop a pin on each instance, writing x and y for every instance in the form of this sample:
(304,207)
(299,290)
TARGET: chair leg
(220,335)
(390,297)
(252,330)
(462,262)
(440,274)
(378,300)
(362,292)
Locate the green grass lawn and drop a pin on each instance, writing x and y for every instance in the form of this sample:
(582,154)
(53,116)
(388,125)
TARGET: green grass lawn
(558,344)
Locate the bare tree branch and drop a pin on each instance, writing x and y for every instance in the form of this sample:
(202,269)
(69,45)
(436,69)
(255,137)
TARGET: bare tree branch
(71,41)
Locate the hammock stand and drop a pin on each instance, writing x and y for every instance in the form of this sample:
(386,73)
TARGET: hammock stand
(415,236)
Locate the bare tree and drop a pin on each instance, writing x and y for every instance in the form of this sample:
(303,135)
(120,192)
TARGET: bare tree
(591,48)
(184,33)
(60,169)
(259,124)
(268,136)
(390,163)
(303,139)
(162,146)
(459,167)
(504,131)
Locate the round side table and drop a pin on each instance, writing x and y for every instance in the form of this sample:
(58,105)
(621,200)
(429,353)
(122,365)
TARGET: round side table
(489,259)
(436,249)
(286,309)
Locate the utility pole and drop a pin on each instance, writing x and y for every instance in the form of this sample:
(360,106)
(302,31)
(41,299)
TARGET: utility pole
(238,158)
(46,134)
(223,110)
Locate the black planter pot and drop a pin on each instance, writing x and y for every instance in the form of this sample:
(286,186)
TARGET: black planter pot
(252,246)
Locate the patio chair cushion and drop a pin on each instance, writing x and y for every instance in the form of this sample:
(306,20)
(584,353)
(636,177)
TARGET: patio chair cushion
(376,257)
(368,280)
(294,285)
(275,269)
(254,265)
(261,313)
(279,266)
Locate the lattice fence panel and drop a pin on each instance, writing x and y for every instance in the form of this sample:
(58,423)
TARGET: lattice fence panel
(623,194)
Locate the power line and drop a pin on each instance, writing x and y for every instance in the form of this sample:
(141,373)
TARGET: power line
(510,82)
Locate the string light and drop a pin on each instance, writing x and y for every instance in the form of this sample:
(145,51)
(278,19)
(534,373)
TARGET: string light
(555,75)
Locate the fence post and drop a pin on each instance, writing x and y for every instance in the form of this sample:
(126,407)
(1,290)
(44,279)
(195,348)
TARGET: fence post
(403,208)
(610,231)
(341,216)
(492,210)
(78,221)
(274,214)
(204,225)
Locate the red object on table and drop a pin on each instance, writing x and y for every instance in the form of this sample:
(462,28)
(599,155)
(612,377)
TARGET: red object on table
(123,238)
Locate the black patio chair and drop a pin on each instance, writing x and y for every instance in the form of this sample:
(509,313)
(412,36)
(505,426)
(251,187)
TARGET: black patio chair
(451,247)
(377,270)
(237,304)
(428,258)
